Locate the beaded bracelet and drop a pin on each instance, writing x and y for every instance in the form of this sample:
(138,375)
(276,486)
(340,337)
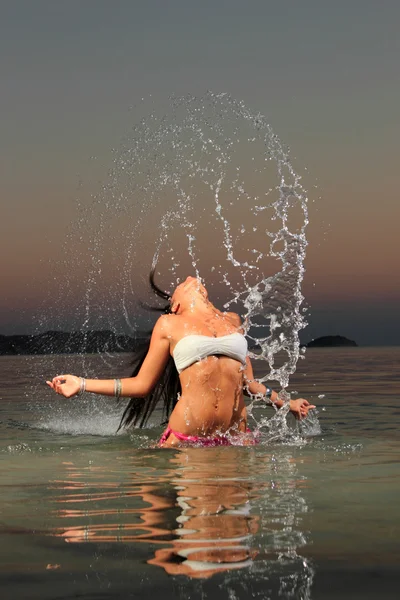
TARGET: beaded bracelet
(268,395)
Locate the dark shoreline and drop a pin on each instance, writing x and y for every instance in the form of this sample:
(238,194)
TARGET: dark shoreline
(74,342)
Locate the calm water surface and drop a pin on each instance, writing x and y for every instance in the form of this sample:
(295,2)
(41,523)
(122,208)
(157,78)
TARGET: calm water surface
(88,514)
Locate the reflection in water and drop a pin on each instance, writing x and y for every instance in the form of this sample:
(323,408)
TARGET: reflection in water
(214,529)
(204,512)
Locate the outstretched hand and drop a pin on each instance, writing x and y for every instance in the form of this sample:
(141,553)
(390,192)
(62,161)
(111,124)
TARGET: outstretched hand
(300,407)
(66,385)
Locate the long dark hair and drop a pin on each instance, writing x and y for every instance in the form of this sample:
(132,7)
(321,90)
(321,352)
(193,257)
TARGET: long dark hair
(139,410)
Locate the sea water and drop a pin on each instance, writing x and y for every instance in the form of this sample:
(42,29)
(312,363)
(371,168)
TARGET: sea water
(87,513)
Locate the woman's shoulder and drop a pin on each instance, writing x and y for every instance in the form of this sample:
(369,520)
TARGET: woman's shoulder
(170,324)
(163,325)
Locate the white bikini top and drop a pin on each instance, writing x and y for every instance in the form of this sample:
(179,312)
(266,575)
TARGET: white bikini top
(192,348)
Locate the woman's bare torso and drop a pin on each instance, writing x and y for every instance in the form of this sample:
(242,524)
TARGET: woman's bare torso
(212,389)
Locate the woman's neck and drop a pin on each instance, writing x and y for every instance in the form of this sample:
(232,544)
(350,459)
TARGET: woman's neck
(200,306)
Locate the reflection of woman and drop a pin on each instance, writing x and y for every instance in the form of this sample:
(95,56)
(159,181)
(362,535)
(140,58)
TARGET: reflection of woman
(215,530)
(210,354)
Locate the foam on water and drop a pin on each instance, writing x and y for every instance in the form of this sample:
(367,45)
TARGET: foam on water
(75,424)
(207,188)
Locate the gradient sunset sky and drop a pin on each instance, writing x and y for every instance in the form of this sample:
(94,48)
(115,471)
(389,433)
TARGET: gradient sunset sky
(325,74)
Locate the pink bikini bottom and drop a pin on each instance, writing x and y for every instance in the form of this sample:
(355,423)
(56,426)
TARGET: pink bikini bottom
(203,442)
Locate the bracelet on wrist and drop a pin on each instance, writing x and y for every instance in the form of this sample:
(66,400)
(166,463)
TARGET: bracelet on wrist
(117,388)
(267,397)
(82,387)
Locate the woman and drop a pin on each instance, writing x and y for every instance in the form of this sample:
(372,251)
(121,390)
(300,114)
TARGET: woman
(210,355)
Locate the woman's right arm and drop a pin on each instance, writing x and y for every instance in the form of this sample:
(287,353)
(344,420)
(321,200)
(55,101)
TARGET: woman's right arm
(131,387)
(299,407)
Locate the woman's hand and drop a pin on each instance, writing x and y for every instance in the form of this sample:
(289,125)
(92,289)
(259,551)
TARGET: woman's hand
(66,385)
(300,407)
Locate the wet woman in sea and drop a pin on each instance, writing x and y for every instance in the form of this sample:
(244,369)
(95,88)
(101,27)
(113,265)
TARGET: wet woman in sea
(197,365)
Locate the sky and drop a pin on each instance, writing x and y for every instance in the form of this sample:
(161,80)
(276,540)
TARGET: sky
(325,74)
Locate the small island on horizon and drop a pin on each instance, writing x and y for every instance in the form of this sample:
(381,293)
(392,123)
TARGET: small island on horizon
(331,341)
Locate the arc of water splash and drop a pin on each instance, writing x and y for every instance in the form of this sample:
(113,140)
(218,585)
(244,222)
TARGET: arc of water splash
(154,133)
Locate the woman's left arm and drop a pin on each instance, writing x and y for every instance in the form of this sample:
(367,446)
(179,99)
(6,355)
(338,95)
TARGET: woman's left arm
(299,408)
(131,387)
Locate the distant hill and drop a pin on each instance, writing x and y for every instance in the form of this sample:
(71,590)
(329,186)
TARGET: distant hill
(329,341)
(62,342)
